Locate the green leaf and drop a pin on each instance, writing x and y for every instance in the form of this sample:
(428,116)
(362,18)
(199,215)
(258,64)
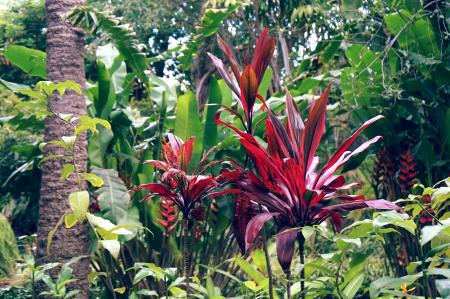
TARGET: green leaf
(415,35)
(95,180)
(394,218)
(443,287)
(66,171)
(353,286)
(14,86)
(31,61)
(106,96)
(113,197)
(249,269)
(210,134)
(120,290)
(98,146)
(121,35)
(188,124)
(265,83)
(377,287)
(431,231)
(88,123)
(79,203)
(70,220)
(113,246)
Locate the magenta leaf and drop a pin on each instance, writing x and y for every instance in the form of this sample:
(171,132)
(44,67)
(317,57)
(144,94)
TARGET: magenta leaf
(255,225)
(285,247)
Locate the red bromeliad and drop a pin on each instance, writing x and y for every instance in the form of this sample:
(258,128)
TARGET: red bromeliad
(286,181)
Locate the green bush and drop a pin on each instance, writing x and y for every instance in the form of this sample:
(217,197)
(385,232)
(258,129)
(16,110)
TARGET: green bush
(8,248)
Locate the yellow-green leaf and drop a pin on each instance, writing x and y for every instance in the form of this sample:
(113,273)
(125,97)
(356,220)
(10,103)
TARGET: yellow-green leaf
(95,180)
(79,202)
(70,220)
(67,170)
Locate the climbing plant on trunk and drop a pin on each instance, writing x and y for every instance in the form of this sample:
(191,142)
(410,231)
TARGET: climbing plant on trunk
(65,61)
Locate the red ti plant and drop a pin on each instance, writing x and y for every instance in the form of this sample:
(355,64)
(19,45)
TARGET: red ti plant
(288,185)
(248,82)
(187,191)
(245,86)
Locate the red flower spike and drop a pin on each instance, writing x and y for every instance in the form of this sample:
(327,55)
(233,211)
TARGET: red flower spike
(168,212)
(407,172)
(285,181)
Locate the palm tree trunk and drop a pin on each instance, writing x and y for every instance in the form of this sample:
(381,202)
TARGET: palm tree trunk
(65,61)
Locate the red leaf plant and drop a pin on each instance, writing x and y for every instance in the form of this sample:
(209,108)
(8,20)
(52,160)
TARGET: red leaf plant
(288,185)
(187,191)
(245,87)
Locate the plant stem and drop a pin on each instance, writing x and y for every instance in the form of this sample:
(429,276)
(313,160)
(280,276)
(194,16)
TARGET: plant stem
(301,247)
(288,286)
(269,267)
(186,254)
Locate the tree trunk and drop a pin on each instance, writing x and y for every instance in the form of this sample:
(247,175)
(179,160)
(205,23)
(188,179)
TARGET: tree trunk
(65,61)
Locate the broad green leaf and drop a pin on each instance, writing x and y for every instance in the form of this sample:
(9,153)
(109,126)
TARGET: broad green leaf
(79,203)
(31,61)
(94,179)
(210,134)
(265,83)
(113,246)
(113,197)
(227,95)
(249,269)
(395,218)
(415,35)
(353,286)
(188,124)
(66,171)
(377,286)
(106,225)
(106,96)
(98,145)
(431,231)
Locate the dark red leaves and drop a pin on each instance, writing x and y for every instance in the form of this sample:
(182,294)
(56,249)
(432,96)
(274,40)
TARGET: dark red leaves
(255,225)
(314,128)
(285,241)
(243,213)
(249,80)
(249,89)
(186,191)
(229,55)
(264,48)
